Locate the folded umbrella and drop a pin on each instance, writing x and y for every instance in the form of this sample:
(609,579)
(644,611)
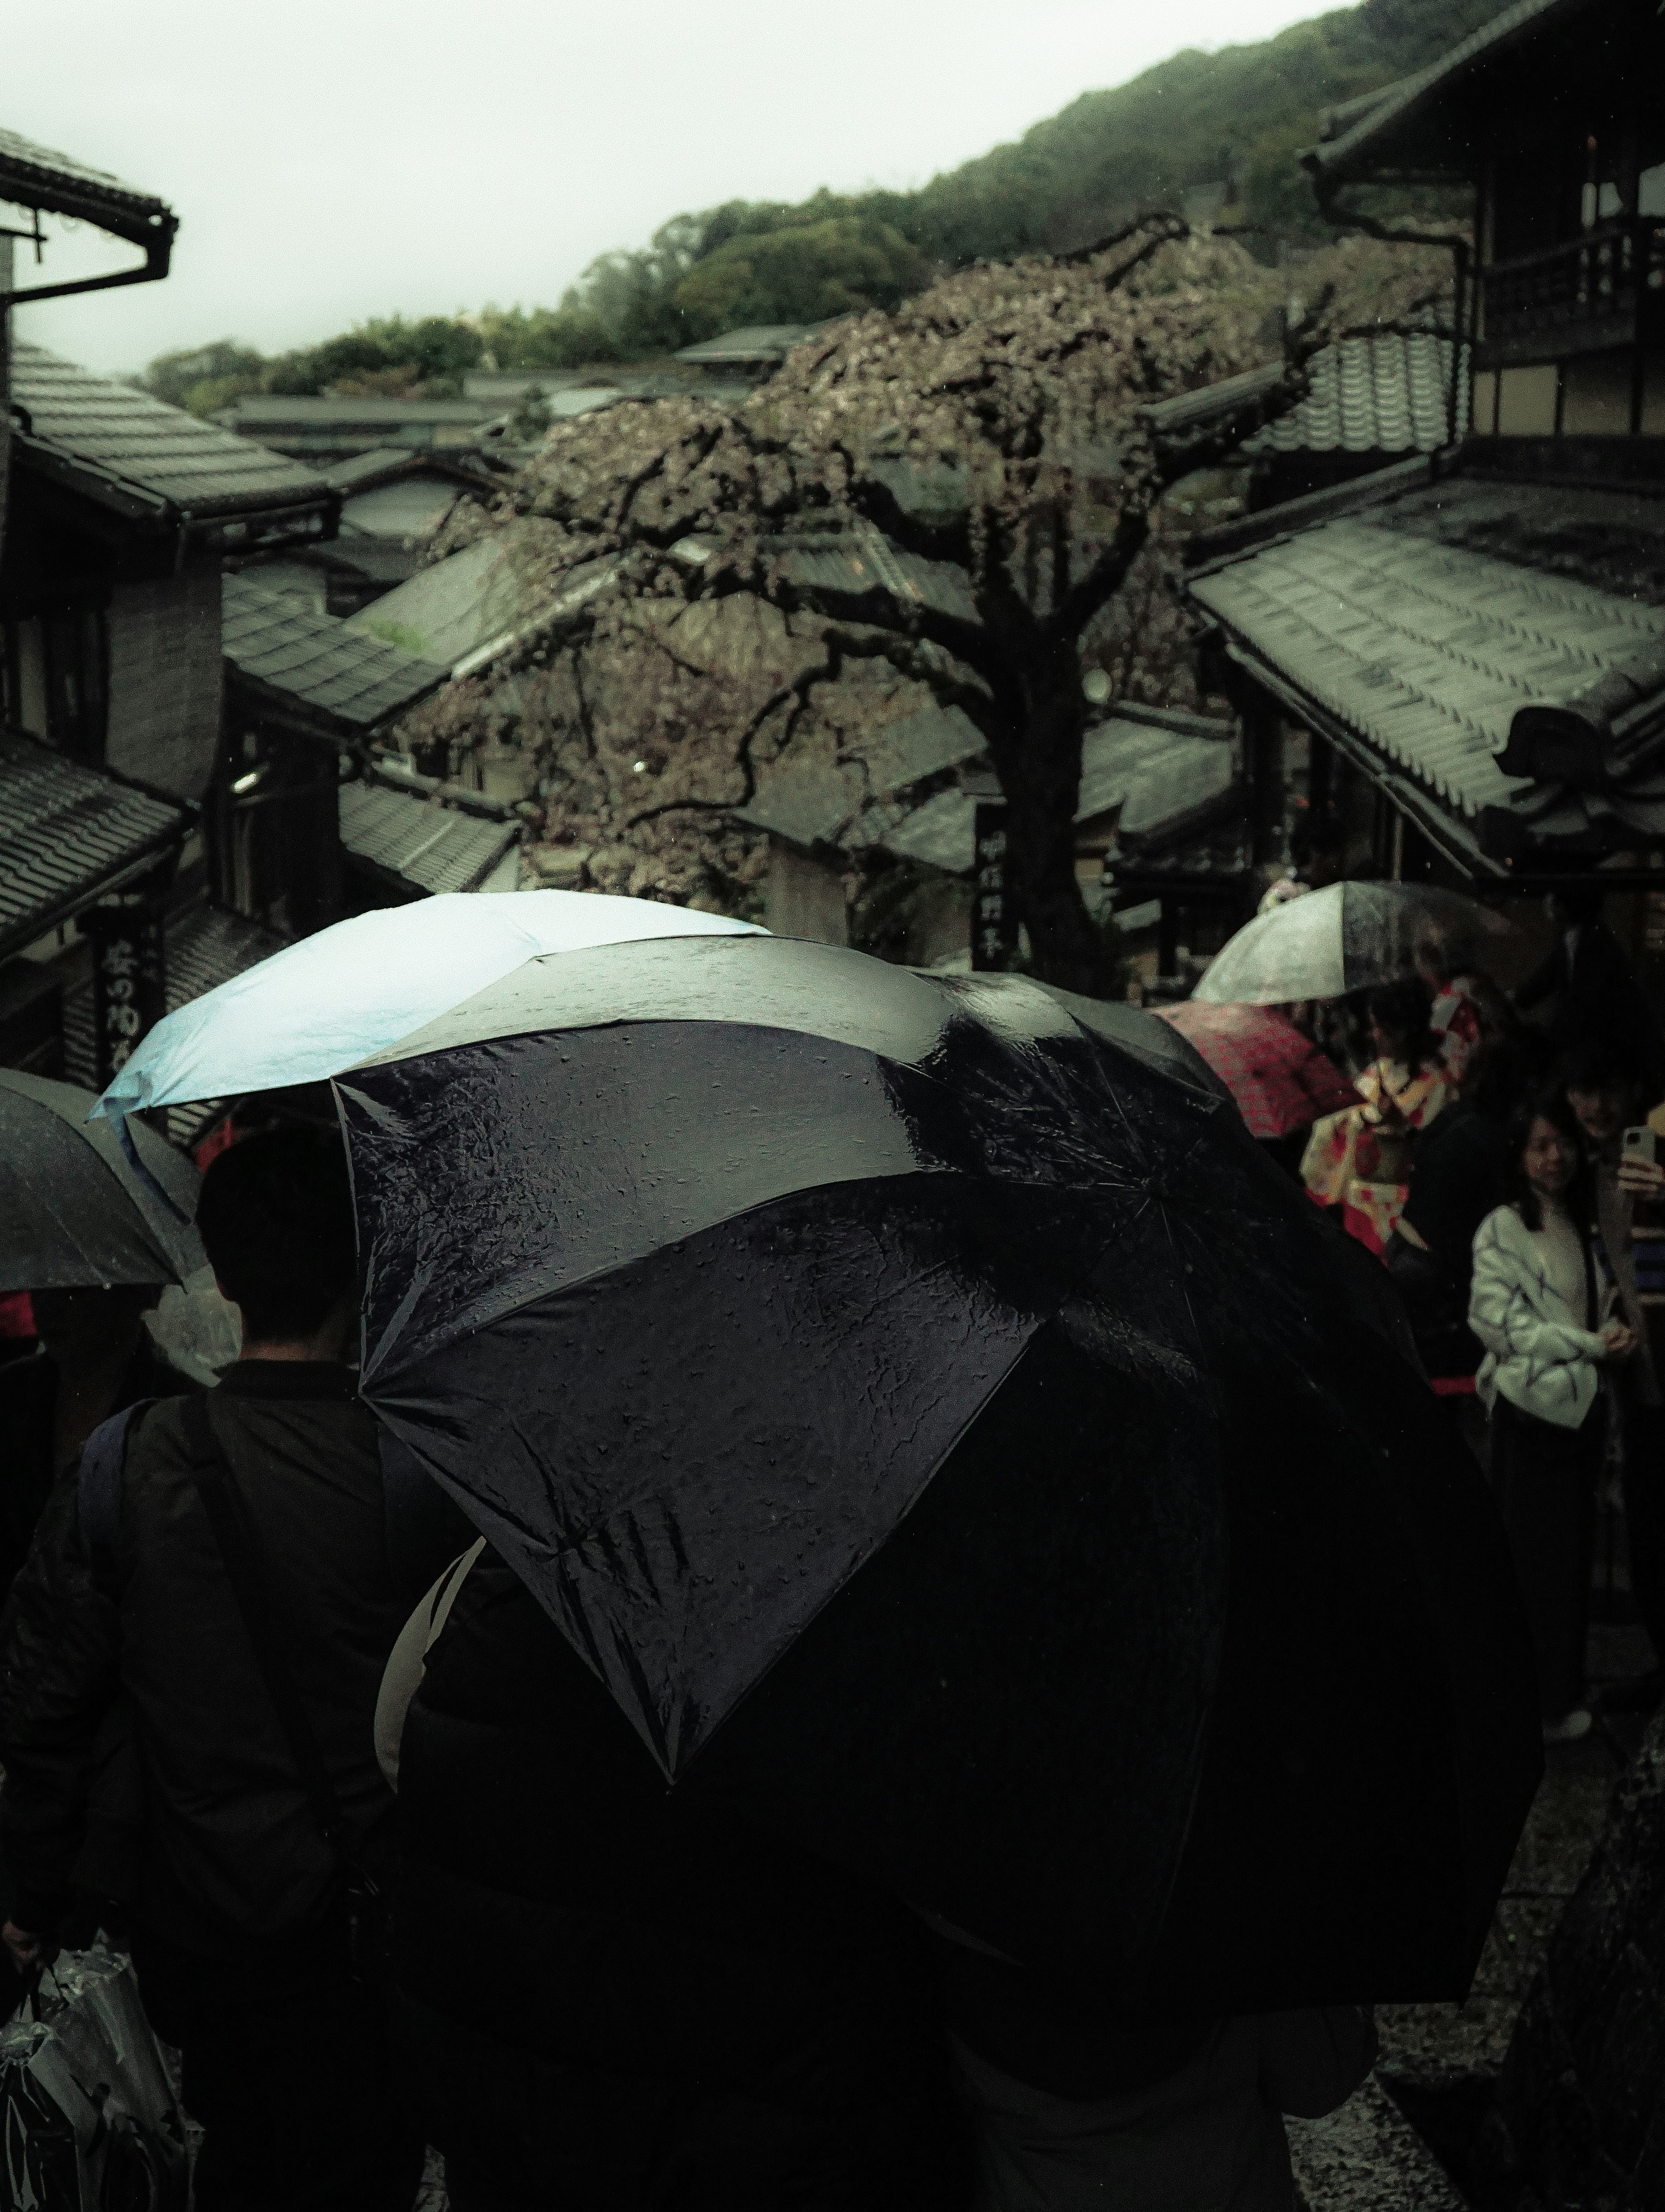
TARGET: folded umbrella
(1280,1079)
(1347,937)
(317,1006)
(82,1204)
(943,1431)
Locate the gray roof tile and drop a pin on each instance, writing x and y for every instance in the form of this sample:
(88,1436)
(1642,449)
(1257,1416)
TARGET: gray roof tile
(34,176)
(920,745)
(68,832)
(352,681)
(756,342)
(805,805)
(1427,650)
(139,454)
(859,565)
(432,847)
(941,834)
(277,409)
(1389,392)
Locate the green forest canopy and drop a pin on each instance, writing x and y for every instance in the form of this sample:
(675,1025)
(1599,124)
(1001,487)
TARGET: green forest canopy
(1240,114)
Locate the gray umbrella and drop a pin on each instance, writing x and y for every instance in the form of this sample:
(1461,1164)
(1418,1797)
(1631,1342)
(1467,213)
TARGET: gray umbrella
(88,1203)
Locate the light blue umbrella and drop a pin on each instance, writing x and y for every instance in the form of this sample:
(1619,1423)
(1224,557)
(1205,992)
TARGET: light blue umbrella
(323,1004)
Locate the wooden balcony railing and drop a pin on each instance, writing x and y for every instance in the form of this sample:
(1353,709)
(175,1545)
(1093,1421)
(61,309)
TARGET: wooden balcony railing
(1612,277)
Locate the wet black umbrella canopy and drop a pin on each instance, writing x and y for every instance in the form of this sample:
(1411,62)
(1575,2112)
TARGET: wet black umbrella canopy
(85,1203)
(941,1429)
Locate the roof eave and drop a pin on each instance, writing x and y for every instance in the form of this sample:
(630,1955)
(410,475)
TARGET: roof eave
(305,718)
(1355,157)
(134,503)
(137,864)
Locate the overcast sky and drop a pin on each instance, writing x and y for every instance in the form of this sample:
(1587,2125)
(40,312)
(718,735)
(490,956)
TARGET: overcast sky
(335,159)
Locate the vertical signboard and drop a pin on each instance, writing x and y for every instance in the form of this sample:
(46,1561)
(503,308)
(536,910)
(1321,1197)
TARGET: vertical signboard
(994,913)
(130,975)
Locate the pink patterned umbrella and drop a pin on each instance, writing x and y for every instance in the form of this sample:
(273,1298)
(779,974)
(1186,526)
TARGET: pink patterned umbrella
(1280,1080)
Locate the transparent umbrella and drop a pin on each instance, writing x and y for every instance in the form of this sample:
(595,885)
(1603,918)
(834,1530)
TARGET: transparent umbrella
(1349,937)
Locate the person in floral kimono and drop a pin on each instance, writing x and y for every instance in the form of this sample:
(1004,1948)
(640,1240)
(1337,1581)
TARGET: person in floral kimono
(1356,1152)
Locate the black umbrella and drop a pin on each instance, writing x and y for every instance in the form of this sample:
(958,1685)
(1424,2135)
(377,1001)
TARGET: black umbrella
(88,1203)
(938,1426)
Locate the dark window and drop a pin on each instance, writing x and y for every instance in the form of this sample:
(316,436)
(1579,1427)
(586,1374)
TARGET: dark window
(57,680)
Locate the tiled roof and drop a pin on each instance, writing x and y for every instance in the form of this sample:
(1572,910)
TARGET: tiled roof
(352,474)
(855,804)
(431,847)
(1175,795)
(1389,392)
(805,806)
(350,680)
(491,591)
(133,453)
(409,507)
(281,410)
(1527,704)
(919,745)
(1181,756)
(34,176)
(68,834)
(757,342)
(941,834)
(1119,750)
(852,568)
(1366,143)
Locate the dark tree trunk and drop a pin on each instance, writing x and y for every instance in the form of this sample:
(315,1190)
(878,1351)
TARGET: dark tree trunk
(1039,768)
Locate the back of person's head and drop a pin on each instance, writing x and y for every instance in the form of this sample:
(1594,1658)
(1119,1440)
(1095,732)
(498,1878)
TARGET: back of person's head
(1399,1010)
(275,1215)
(1548,1104)
(1498,1074)
(1579,903)
(1599,1063)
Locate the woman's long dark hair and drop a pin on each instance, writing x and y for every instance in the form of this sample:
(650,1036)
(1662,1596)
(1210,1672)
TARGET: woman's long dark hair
(1549,1106)
(1400,1011)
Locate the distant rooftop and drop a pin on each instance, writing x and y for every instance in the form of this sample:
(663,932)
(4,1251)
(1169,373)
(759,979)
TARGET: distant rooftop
(277,408)
(1138,754)
(487,593)
(759,344)
(357,472)
(325,430)
(131,453)
(847,570)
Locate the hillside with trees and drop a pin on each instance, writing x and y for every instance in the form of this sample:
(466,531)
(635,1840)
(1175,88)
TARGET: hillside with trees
(1236,117)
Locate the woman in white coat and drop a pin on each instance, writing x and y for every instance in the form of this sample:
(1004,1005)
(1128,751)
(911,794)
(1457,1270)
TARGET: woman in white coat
(1533,1307)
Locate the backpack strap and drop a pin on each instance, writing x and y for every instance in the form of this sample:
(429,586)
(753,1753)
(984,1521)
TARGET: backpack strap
(239,1543)
(98,1485)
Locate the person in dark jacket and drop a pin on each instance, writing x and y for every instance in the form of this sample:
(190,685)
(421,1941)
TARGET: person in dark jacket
(125,1654)
(1592,989)
(615,1997)
(1460,1173)
(94,1357)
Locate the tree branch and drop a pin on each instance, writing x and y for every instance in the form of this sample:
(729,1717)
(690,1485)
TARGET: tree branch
(1103,580)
